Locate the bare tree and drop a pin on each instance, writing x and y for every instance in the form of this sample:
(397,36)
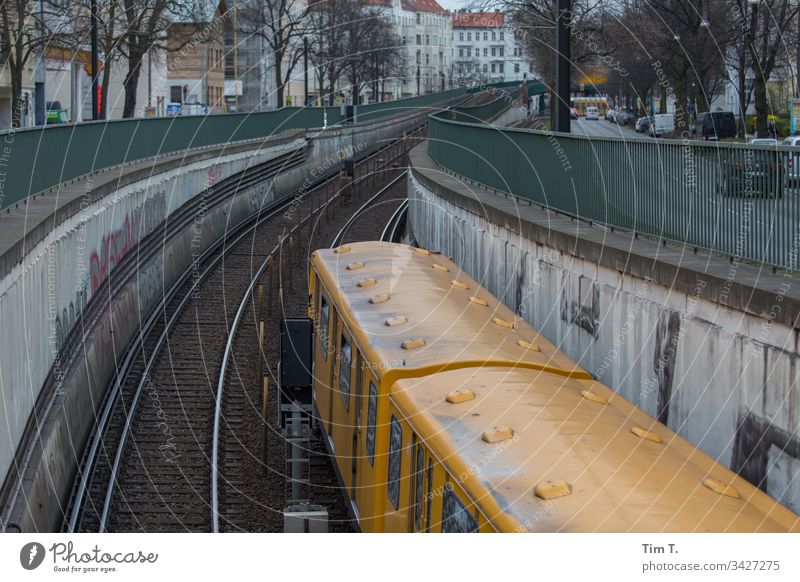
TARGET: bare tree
(28,26)
(766,28)
(352,41)
(282,24)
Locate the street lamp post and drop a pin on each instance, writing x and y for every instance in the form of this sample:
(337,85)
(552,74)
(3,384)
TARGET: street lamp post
(563,65)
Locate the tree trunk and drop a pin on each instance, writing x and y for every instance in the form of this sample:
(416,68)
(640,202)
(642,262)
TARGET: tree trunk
(681,114)
(279,85)
(742,102)
(762,107)
(16,95)
(132,81)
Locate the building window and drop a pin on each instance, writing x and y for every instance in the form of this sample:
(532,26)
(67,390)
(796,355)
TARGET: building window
(485,68)
(516,67)
(469,36)
(427,59)
(494,35)
(372,409)
(502,35)
(395,458)
(461,52)
(455,517)
(461,36)
(493,65)
(427,39)
(485,36)
(419,39)
(530,67)
(502,50)
(501,66)
(176,94)
(345,360)
(485,51)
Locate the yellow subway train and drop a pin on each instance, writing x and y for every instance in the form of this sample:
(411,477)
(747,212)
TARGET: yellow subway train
(444,412)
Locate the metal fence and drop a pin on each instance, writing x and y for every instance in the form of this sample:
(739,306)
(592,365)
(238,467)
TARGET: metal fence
(737,199)
(36,159)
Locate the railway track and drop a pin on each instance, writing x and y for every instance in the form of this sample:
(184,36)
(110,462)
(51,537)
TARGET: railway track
(177,446)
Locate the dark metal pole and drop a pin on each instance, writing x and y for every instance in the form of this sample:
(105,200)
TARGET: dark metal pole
(305,69)
(94,60)
(563,64)
(797,57)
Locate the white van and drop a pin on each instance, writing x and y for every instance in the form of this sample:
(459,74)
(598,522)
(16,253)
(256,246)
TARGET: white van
(663,123)
(592,113)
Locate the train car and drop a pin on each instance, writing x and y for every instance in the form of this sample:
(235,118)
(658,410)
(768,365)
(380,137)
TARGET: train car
(445,412)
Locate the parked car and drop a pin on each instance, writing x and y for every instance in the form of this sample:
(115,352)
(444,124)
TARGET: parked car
(768,141)
(663,124)
(592,113)
(610,113)
(792,160)
(642,124)
(624,117)
(715,125)
(755,172)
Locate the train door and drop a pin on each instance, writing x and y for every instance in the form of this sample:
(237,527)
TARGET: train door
(367,455)
(342,404)
(357,423)
(335,361)
(323,360)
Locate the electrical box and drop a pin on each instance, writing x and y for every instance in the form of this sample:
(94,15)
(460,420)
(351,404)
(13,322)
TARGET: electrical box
(297,342)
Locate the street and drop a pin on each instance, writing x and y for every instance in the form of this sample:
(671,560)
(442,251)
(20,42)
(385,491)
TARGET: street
(603,128)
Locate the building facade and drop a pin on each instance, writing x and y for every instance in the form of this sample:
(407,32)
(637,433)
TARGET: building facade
(425,31)
(196,70)
(485,49)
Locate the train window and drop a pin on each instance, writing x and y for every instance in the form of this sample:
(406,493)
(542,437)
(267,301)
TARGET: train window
(395,459)
(455,517)
(345,361)
(372,409)
(419,474)
(429,496)
(324,316)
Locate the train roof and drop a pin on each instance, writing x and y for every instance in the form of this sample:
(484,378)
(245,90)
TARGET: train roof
(416,312)
(571,455)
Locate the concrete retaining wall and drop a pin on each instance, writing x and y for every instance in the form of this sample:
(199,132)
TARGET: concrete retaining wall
(672,341)
(44,294)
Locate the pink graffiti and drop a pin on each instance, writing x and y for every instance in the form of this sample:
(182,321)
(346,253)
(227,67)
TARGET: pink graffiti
(112,248)
(214,174)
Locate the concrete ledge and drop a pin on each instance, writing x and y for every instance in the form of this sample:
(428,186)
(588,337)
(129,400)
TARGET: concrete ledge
(736,285)
(28,223)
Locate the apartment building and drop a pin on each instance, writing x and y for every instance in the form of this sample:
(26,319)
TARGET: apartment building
(485,49)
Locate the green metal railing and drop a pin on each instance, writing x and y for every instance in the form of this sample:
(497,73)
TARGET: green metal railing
(486,111)
(736,199)
(36,159)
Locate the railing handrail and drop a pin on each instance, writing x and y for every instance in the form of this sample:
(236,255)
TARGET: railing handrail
(710,195)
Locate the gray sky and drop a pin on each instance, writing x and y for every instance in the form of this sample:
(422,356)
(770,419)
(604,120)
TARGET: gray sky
(452,4)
